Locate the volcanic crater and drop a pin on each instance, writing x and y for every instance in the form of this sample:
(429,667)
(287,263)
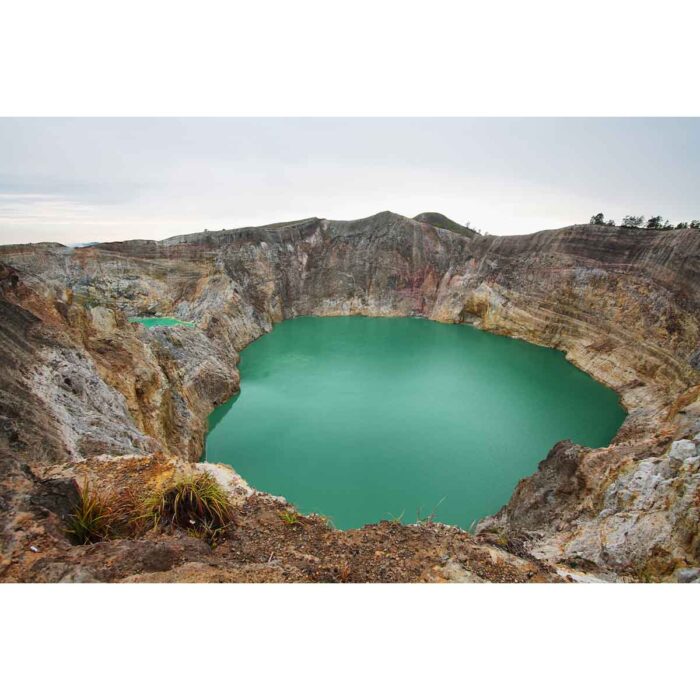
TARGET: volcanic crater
(86,395)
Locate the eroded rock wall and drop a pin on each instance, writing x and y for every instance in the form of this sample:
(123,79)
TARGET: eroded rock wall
(78,380)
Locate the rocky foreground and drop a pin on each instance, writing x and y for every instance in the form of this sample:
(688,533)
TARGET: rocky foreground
(86,395)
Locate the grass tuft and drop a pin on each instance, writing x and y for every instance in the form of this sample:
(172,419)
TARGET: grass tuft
(91,520)
(289,517)
(326,520)
(196,503)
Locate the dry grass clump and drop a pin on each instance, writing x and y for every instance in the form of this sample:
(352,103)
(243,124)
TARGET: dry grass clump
(126,507)
(103,516)
(92,519)
(196,503)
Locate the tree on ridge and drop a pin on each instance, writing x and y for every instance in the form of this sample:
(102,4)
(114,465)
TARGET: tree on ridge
(631,221)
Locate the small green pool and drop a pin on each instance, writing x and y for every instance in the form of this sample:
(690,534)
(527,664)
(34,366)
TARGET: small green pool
(152,321)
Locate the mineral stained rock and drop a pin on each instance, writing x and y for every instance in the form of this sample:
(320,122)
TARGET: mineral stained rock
(77,381)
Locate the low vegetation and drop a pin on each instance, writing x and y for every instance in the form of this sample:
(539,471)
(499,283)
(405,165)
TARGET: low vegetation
(657,223)
(326,520)
(430,518)
(92,520)
(289,517)
(397,519)
(473,228)
(196,503)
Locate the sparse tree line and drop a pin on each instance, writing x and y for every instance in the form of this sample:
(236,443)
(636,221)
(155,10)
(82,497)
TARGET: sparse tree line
(473,228)
(657,223)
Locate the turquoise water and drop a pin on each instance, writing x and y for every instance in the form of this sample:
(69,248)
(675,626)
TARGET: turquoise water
(151,321)
(364,419)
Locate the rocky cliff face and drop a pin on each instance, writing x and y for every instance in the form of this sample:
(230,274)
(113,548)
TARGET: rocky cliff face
(78,380)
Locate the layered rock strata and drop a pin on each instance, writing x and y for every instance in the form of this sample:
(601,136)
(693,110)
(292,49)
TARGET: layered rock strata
(78,380)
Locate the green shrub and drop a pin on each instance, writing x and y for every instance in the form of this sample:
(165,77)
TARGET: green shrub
(196,503)
(631,221)
(289,517)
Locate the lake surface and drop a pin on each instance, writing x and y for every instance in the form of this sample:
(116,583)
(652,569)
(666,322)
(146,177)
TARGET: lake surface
(151,321)
(365,419)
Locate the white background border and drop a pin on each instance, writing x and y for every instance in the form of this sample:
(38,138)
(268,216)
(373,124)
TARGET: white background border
(366,57)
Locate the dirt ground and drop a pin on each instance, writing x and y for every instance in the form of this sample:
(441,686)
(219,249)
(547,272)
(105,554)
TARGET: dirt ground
(268,542)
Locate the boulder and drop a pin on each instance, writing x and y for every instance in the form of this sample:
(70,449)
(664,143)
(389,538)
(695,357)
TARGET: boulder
(682,450)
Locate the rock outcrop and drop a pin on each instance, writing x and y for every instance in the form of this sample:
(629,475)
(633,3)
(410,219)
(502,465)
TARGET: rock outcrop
(77,380)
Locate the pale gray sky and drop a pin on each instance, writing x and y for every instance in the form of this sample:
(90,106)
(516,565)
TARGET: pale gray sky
(77,180)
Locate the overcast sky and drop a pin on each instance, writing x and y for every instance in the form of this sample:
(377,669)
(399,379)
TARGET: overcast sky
(78,180)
